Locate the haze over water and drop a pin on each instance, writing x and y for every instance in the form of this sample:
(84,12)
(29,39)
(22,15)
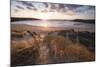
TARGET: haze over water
(58,24)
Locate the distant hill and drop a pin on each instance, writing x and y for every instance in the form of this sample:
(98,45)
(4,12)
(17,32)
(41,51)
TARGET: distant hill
(22,19)
(85,21)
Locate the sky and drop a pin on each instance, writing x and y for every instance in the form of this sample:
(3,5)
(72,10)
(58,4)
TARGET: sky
(45,10)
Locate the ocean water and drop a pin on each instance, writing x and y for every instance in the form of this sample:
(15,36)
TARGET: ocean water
(65,24)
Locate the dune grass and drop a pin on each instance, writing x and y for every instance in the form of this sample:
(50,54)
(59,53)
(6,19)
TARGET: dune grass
(25,52)
(62,47)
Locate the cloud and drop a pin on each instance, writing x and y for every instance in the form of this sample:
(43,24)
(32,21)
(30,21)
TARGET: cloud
(46,4)
(86,14)
(82,8)
(27,3)
(70,12)
(51,7)
(20,7)
(23,5)
(76,11)
(29,8)
(72,6)
(61,8)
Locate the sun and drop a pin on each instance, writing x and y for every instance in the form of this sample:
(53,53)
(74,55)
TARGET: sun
(45,25)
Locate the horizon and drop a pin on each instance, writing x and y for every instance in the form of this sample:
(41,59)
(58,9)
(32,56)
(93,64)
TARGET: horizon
(47,19)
